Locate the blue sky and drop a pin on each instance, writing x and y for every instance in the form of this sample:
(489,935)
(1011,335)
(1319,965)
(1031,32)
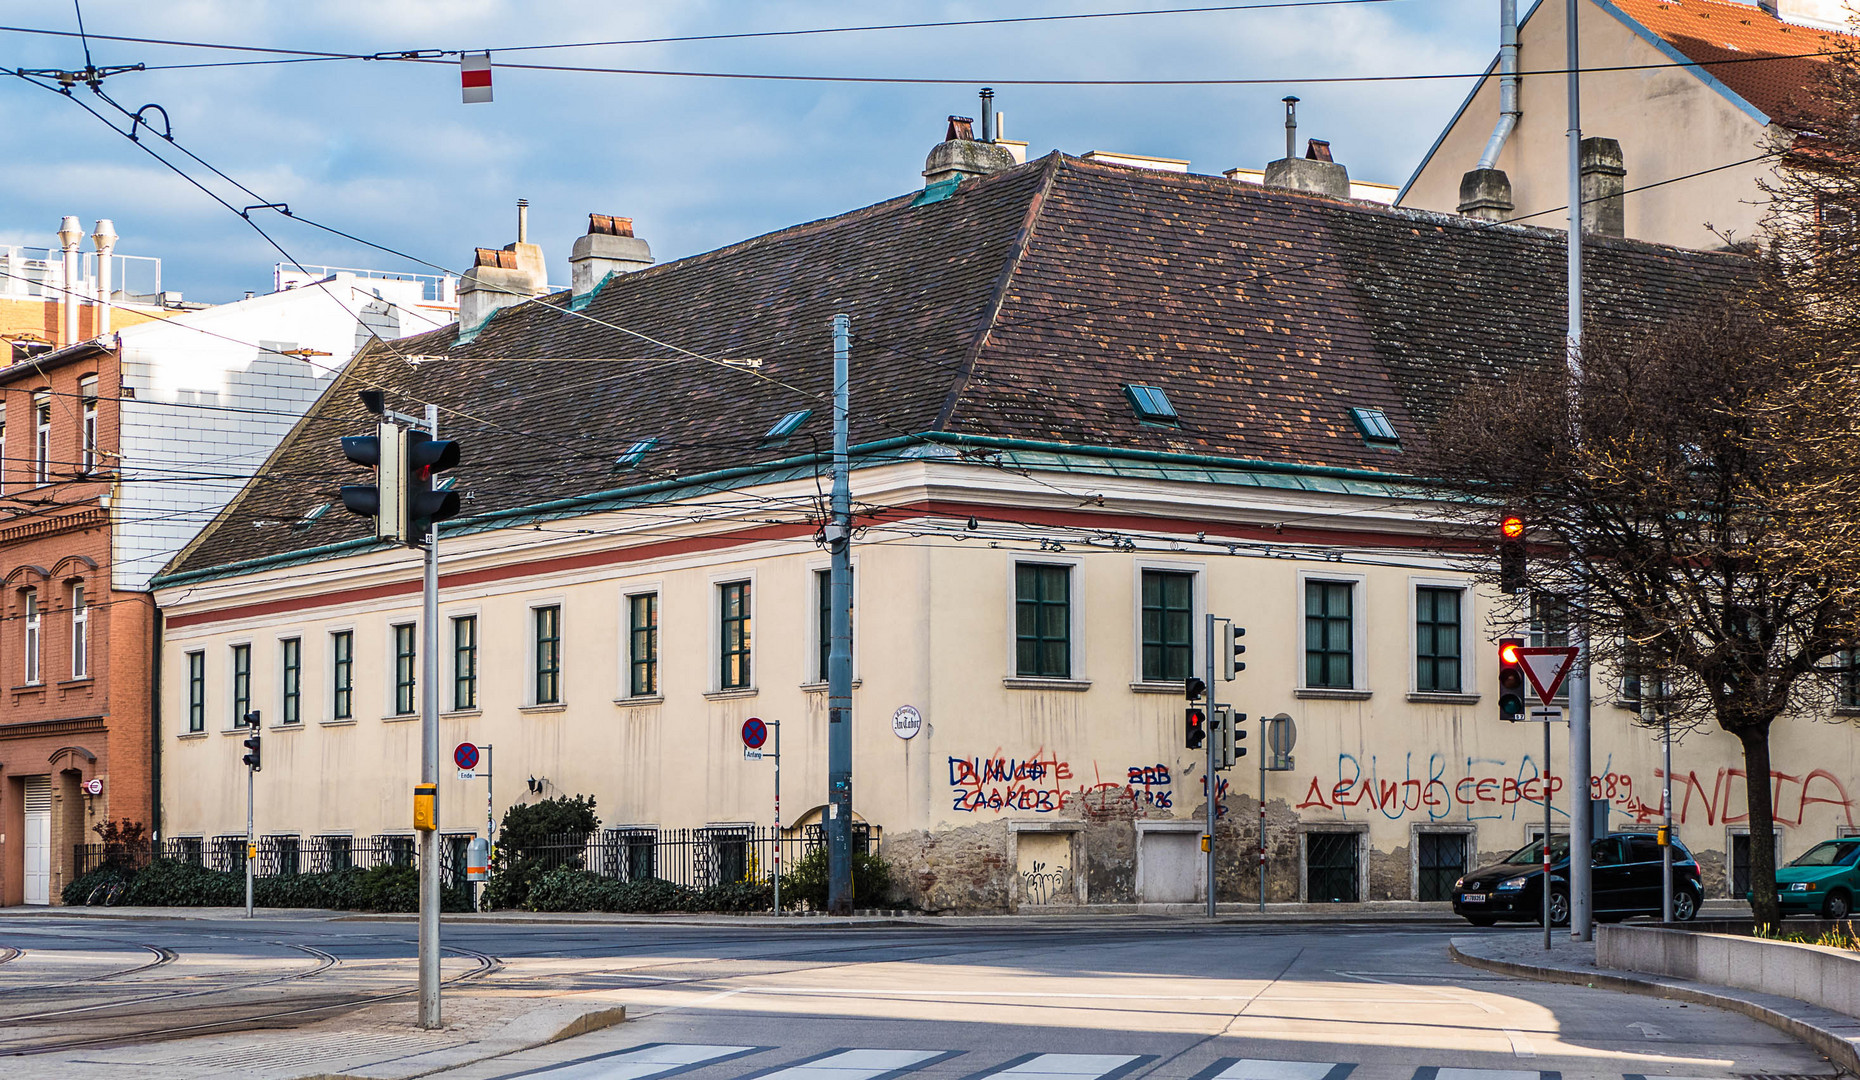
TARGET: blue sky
(387,152)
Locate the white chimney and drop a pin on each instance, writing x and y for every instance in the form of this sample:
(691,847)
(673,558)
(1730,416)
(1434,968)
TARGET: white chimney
(104,236)
(70,235)
(500,278)
(609,247)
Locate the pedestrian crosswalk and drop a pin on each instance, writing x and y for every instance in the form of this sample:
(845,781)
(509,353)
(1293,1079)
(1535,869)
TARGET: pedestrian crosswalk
(656,1061)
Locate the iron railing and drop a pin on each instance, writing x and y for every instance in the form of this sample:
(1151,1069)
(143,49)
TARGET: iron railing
(278,856)
(696,858)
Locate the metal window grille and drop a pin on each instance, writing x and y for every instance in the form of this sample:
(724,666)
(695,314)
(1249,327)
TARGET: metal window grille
(1437,641)
(1331,870)
(228,853)
(401,851)
(242,682)
(403,668)
(548,655)
(1043,621)
(342,675)
(733,611)
(197,691)
(292,672)
(1168,625)
(279,855)
(465,662)
(1329,634)
(1442,861)
(643,644)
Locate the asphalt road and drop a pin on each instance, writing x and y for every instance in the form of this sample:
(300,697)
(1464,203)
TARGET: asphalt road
(1087,1000)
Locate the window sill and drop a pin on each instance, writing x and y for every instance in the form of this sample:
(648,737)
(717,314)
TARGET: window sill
(549,707)
(192,735)
(86,680)
(1847,710)
(730,695)
(31,687)
(460,713)
(821,687)
(1443,699)
(400,718)
(1152,687)
(285,727)
(1319,693)
(350,722)
(1067,685)
(643,699)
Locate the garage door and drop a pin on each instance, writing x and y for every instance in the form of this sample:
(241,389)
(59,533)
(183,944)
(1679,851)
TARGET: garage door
(38,840)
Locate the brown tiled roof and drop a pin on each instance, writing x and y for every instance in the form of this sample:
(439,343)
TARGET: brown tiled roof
(1725,36)
(1017,308)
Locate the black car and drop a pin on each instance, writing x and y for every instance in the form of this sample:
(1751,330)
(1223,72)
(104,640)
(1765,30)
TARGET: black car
(1625,878)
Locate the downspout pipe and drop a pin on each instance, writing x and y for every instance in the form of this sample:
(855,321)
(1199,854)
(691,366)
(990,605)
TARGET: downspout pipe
(1508,111)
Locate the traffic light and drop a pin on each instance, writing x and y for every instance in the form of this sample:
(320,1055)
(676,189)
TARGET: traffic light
(1510,680)
(1196,689)
(425,502)
(1229,729)
(1512,571)
(1231,664)
(1235,736)
(1197,727)
(385,499)
(251,758)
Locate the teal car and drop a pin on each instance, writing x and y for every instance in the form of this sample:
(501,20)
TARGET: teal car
(1823,881)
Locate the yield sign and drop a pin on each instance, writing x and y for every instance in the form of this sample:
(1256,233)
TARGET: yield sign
(1546,667)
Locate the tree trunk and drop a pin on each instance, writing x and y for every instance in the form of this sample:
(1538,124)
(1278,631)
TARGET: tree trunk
(1763,905)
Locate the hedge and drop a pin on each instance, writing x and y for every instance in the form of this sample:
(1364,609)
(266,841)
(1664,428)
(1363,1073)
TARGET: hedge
(171,883)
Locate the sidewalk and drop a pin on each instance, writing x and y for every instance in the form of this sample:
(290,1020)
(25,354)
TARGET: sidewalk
(1835,1035)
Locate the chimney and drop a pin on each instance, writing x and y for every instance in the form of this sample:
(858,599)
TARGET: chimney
(608,248)
(1604,182)
(1314,174)
(1826,14)
(103,234)
(70,235)
(1486,194)
(501,278)
(960,155)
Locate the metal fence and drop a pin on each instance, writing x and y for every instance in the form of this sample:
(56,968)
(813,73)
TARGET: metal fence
(698,858)
(279,856)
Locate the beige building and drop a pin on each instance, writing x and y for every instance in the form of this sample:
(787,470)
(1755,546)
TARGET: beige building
(1693,94)
(1091,405)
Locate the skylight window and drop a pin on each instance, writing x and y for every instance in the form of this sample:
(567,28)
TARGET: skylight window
(1152,404)
(635,452)
(1375,426)
(786,425)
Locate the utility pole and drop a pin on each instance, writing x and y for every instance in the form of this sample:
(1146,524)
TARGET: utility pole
(1580,826)
(1211,780)
(429,772)
(839,650)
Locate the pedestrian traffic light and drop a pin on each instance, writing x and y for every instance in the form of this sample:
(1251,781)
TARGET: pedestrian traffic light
(1510,679)
(1197,727)
(1196,689)
(1231,649)
(427,501)
(385,499)
(251,758)
(1512,567)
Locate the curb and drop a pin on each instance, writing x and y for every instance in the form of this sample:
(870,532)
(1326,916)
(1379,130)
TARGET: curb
(579,1025)
(1838,1050)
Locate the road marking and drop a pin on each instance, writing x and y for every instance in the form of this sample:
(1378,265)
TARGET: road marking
(856,1064)
(650,1060)
(1264,1069)
(1520,1044)
(1065,1067)
(1649,1032)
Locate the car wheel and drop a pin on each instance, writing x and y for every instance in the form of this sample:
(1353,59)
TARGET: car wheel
(1559,910)
(1482,920)
(1836,906)
(1685,906)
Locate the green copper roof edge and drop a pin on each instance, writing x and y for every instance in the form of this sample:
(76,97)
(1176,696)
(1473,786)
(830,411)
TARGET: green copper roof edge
(1125,453)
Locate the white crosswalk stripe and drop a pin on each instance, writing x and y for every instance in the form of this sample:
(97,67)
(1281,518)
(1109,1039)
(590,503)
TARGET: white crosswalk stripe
(854,1064)
(1066,1067)
(1263,1069)
(644,1062)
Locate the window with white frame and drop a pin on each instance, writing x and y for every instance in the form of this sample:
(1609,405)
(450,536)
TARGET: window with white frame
(87,392)
(1438,644)
(33,635)
(464,662)
(196,691)
(80,633)
(291,679)
(1042,621)
(642,615)
(241,682)
(405,661)
(734,626)
(1167,608)
(1330,634)
(342,675)
(42,438)
(547,621)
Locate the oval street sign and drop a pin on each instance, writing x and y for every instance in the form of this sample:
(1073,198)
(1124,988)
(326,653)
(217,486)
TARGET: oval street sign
(755,733)
(465,756)
(906,722)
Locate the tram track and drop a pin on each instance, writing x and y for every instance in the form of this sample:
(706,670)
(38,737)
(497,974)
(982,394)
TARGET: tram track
(325,962)
(162,956)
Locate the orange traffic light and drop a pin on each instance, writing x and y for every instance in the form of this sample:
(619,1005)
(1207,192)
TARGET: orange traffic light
(1512,527)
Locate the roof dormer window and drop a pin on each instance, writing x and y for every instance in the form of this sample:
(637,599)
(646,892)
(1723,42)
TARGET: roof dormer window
(786,426)
(1152,405)
(1376,428)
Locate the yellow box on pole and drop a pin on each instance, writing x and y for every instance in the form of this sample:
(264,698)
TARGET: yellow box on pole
(1204,841)
(426,807)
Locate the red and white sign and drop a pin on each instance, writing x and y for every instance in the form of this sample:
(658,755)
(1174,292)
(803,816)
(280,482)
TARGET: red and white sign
(475,78)
(1546,667)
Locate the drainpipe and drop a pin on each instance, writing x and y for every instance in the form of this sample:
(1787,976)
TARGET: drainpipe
(104,236)
(70,234)
(1508,110)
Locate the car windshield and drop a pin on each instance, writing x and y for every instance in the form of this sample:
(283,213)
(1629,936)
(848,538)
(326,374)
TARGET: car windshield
(1829,854)
(1533,854)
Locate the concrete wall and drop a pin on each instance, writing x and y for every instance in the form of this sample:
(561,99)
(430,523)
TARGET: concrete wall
(1820,976)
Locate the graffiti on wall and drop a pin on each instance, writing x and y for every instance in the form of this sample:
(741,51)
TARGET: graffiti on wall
(1043,783)
(1484,789)
(1040,884)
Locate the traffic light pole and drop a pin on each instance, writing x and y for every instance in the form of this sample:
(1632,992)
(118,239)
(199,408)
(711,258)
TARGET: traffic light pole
(1210,781)
(1580,827)
(429,772)
(839,648)
(249,841)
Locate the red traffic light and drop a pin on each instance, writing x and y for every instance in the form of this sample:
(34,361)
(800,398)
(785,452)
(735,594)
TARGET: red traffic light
(1508,652)
(1512,527)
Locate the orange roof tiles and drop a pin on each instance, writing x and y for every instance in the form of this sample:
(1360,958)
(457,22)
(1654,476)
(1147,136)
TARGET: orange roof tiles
(1725,36)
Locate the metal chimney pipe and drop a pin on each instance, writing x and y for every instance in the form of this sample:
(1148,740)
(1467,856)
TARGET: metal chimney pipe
(1508,109)
(70,235)
(104,236)
(988,114)
(523,221)
(1291,127)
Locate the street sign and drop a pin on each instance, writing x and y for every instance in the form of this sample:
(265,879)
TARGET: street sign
(906,722)
(1546,667)
(465,756)
(1547,714)
(750,753)
(755,733)
(468,774)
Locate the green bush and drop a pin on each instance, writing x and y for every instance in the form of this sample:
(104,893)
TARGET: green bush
(807,882)
(523,838)
(736,896)
(568,889)
(167,883)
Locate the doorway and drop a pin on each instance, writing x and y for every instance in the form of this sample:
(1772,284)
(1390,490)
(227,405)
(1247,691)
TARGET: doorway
(38,840)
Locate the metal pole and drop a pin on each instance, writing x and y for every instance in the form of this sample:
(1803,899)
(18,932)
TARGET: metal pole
(1208,742)
(1666,816)
(1546,889)
(1261,751)
(778,817)
(839,652)
(248,836)
(429,773)
(490,805)
(1579,823)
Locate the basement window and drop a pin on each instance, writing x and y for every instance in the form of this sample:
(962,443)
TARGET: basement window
(1376,428)
(786,426)
(1151,404)
(634,453)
